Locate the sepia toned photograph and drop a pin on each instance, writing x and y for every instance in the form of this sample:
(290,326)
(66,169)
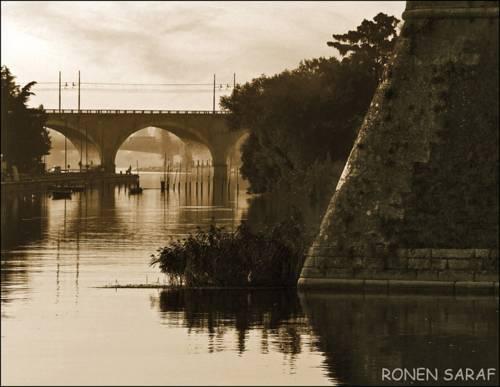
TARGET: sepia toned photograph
(249,193)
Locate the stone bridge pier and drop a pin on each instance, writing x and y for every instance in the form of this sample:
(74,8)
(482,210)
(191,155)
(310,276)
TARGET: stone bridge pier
(104,131)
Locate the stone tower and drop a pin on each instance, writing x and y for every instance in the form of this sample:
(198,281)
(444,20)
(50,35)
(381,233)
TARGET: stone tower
(418,198)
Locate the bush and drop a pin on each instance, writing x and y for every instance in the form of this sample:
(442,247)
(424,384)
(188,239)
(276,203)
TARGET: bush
(240,258)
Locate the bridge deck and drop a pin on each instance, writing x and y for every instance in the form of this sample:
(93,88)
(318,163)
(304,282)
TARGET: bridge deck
(119,111)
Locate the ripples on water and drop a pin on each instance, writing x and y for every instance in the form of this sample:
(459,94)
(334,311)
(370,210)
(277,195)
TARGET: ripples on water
(57,328)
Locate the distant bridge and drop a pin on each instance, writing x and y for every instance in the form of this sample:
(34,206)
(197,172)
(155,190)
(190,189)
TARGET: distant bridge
(101,132)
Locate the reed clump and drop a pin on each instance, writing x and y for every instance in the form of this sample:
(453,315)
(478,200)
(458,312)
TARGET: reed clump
(244,257)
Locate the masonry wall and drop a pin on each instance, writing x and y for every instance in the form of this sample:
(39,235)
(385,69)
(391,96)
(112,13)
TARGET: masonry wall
(419,195)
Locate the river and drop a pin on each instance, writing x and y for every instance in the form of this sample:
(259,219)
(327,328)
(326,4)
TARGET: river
(60,328)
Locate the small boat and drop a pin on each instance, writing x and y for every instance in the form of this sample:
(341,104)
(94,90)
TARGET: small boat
(61,194)
(135,190)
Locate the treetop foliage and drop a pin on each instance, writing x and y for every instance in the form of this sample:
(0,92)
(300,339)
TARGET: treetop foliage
(371,42)
(310,114)
(24,137)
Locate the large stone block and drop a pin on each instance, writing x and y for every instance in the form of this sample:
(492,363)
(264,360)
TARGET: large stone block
(419,253)
(387,274)
(421,287)
(453,253)
(486,277)
(419,263)
(427,275)
(439,263)
(339,273)
(482,253)
(376,286)
(453,275)
(396,262)
(478,288)
(460,264)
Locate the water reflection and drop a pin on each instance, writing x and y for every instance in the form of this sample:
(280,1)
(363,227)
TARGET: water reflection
(23,219)
(361,334)
(106,231)
(275,314)
(55,253)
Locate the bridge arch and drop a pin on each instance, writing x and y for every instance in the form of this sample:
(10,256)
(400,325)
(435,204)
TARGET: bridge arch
(87,149)
(169,138)
(108,129)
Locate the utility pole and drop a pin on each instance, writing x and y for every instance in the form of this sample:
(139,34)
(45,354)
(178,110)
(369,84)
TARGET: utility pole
(86,149)
(59,92)
(214,97)
(65,138)
(234,81)
(81,143)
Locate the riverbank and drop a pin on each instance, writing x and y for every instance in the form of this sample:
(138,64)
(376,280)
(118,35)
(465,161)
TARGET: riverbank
(42,182)
(173,287)
(346,286)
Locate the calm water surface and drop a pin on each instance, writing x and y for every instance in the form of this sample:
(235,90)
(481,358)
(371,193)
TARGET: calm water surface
(59,329)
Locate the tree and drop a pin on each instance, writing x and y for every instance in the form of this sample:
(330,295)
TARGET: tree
(303,118)
(24,138)
(370,44)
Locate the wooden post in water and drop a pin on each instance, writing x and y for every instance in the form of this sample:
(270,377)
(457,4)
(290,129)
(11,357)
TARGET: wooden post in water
(237,180)
(229,181)
(168,176)
(202,175)
(191,177)
(197,175)
(81,142)
(162,182)
(175,178)
(209,174)
(179,178)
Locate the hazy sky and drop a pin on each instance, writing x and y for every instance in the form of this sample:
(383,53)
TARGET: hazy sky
(167,42)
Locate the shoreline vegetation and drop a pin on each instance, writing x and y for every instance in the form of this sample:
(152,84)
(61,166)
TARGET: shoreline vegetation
(243,258)
(302,123)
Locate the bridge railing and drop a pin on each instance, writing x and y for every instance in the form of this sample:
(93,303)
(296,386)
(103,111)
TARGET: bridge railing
(130,111)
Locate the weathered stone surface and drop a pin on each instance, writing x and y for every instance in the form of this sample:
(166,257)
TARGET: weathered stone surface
(453,275)
(440,191)
(439,264)
(490,264)
(312,272)
(374,264)
(468,287)
(380,286)
(459,264)
(442,287)
(482,253)
(419,263)
(395,262)
(419,253)
(387,274)
(486,276)
(427,275)
(453,253)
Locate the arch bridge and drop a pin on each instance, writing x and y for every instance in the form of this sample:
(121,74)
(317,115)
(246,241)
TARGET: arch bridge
(104,131)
